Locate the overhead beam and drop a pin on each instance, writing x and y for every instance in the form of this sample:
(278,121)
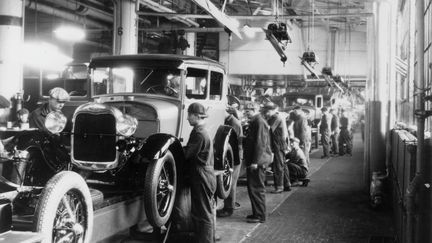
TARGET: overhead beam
(270,17)
(166,12)
(168,29)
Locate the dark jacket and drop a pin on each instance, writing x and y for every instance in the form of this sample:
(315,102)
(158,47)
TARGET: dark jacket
(325,123)
(278,133)
(302,130)
(344,123)
(257,145)
(199,157)
(38,116)
(334,124)
(232,121)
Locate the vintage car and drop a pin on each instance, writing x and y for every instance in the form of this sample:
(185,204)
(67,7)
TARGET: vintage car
(311,104)
(128,142)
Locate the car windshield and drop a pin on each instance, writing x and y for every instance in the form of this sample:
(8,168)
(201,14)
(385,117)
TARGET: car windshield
(158,81)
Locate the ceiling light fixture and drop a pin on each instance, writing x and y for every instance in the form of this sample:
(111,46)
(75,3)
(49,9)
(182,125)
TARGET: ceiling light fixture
(70,33)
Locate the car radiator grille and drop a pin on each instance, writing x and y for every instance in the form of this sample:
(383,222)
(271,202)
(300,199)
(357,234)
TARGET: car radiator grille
(94,137)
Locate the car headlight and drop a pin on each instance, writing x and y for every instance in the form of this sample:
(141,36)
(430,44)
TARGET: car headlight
(55,122)
(126,125)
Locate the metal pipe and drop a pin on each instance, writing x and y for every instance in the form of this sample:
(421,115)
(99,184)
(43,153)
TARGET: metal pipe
(63,14)
(166,12)
(418,180)
(254,17)
(95,8)
(410,205)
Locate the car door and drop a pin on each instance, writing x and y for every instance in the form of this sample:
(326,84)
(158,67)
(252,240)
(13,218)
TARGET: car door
(195,90)
(217,100)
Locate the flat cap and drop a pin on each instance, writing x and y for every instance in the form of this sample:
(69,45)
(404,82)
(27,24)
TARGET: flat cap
(197,108)
(59,94)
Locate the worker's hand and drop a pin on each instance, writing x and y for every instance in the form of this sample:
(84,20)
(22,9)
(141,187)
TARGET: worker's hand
(253,166)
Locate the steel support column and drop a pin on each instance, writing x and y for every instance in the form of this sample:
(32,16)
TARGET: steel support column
(420,216)
(125,27)
(378,100)
(11,39)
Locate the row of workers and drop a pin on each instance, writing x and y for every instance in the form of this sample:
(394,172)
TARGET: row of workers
(265,144)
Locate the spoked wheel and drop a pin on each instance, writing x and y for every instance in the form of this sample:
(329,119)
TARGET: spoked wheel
(160,190)
(64,212)
(224,181)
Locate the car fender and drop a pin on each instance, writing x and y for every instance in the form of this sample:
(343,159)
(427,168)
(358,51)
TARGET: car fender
(156,146)
(224,135)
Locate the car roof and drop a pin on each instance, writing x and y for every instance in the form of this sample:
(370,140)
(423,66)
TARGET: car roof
(165,60)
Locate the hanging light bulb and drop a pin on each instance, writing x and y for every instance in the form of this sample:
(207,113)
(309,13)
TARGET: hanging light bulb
(70,33)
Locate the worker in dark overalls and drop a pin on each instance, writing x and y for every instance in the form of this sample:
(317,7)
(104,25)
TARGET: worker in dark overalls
(278,141)
(258,155)
(334,126)
(345,137)
(325,132)
(230,202)
(199,157)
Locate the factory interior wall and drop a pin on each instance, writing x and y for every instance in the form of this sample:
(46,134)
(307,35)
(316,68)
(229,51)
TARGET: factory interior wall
(257,56)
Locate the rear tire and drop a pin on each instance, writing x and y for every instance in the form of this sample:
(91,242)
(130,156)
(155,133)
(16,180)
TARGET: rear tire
(64,212)
(224,181)
(160,190)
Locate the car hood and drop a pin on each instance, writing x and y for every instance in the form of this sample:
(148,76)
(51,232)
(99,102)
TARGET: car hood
(147,108)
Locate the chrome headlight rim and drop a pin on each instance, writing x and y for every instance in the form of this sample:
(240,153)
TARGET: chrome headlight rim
(126,125)
(55,122)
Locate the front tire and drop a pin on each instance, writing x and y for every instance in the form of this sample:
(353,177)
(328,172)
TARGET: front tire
(224,181)
(65,212)
(160,190)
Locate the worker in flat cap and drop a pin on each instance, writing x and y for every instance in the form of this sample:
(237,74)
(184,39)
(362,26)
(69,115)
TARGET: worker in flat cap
(199,159)
(233,121)
(325,128)
(257,155)
(249,111)
(279,145)
(56,101)
(297,164)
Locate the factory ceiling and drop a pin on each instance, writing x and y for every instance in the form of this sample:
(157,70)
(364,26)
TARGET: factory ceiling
(98,15)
